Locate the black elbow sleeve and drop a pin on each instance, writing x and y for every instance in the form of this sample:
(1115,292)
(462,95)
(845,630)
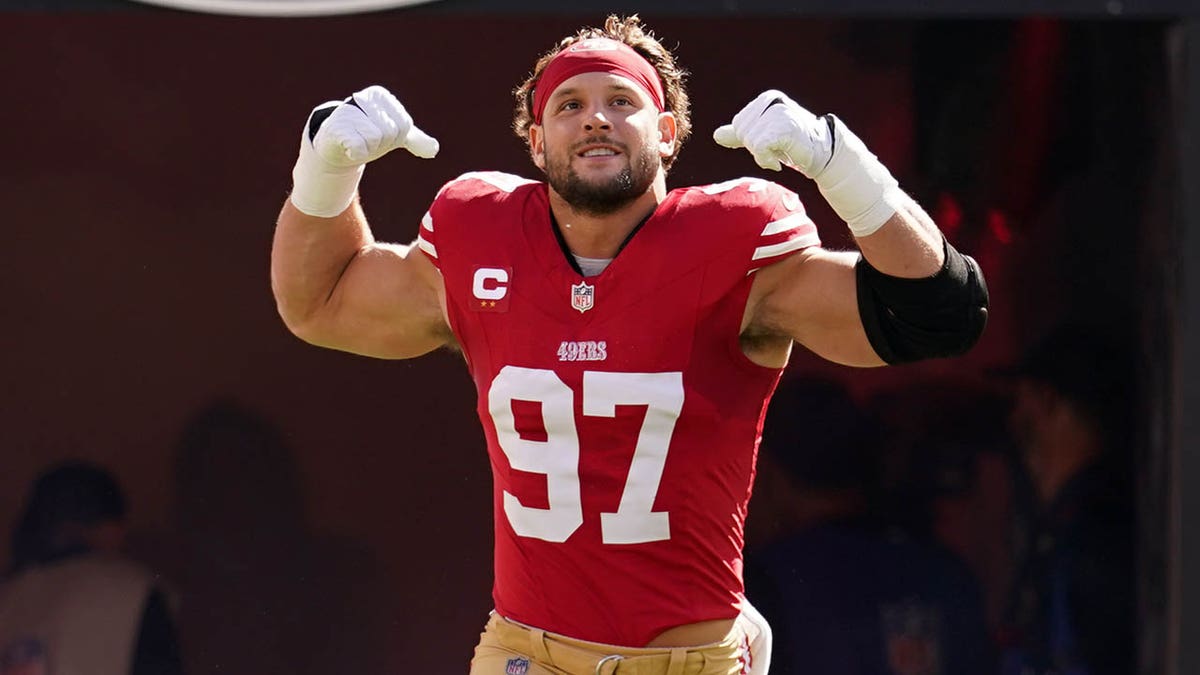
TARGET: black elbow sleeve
(912,319)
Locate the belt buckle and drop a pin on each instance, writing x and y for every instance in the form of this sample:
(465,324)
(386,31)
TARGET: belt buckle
(600,664)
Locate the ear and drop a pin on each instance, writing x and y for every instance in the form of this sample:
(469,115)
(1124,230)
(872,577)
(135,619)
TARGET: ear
(667,134)
(537,146)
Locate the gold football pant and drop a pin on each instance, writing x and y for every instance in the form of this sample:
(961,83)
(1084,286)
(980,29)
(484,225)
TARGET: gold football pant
(509,648)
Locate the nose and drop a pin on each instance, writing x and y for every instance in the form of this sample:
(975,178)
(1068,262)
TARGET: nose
(595,119)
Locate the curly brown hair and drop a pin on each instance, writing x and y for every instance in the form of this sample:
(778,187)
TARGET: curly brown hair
(630,31)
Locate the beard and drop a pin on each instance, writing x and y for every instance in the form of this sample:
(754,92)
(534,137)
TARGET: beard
(606,196)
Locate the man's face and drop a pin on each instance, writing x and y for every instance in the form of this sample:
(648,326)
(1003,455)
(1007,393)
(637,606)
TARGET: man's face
(601,142)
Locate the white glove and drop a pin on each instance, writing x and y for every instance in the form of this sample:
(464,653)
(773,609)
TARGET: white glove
(777,130)
(340,137)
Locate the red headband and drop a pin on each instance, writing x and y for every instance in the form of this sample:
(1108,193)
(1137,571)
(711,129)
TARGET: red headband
(596,55)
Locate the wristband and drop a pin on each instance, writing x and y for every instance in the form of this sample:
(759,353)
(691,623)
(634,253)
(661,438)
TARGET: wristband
(856,184)
(319,188)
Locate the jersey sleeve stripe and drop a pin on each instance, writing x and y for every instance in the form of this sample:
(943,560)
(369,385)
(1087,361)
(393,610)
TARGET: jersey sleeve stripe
(794,221)
(427,222)
(803,241)
(427,247)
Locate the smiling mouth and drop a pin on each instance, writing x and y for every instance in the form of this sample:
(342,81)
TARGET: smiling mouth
(597,146)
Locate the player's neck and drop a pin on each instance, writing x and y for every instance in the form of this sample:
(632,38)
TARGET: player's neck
(601,236)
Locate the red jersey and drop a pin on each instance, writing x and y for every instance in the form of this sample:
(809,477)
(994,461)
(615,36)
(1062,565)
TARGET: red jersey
(621,415)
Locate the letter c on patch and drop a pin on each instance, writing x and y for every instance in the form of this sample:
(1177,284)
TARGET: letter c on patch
(490,283)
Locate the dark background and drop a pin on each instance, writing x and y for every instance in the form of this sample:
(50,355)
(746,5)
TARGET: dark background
(148,152)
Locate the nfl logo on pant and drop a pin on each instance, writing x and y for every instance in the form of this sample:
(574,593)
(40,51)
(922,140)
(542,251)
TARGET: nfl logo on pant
(517,666)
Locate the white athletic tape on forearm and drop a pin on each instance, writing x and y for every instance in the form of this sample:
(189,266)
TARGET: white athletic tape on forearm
(319,188)
(857,185)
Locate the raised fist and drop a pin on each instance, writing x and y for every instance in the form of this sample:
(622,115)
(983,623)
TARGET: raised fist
(338,141)
(777,130)
(364,127)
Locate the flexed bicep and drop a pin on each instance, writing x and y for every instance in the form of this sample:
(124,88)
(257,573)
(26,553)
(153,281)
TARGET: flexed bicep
(844,310)
(334,285)
(811,298)
(389,304)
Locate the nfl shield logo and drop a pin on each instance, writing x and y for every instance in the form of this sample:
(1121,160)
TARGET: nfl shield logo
(517,666)
(582,296)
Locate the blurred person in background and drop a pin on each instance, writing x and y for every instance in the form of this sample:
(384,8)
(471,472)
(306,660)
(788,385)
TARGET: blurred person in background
(1072,607)
(264,592)
(845,591)
(951,476)
(71,603)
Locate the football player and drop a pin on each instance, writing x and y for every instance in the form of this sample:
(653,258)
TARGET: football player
(623,339)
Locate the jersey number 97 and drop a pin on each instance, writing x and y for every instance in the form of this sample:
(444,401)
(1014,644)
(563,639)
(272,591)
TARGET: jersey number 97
(557,457)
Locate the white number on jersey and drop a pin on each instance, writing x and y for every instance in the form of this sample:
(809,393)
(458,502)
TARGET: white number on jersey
(557,457)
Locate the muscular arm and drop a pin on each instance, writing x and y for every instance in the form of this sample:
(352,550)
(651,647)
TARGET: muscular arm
(812,297)
(920,297)
(909,245)
(336,287)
